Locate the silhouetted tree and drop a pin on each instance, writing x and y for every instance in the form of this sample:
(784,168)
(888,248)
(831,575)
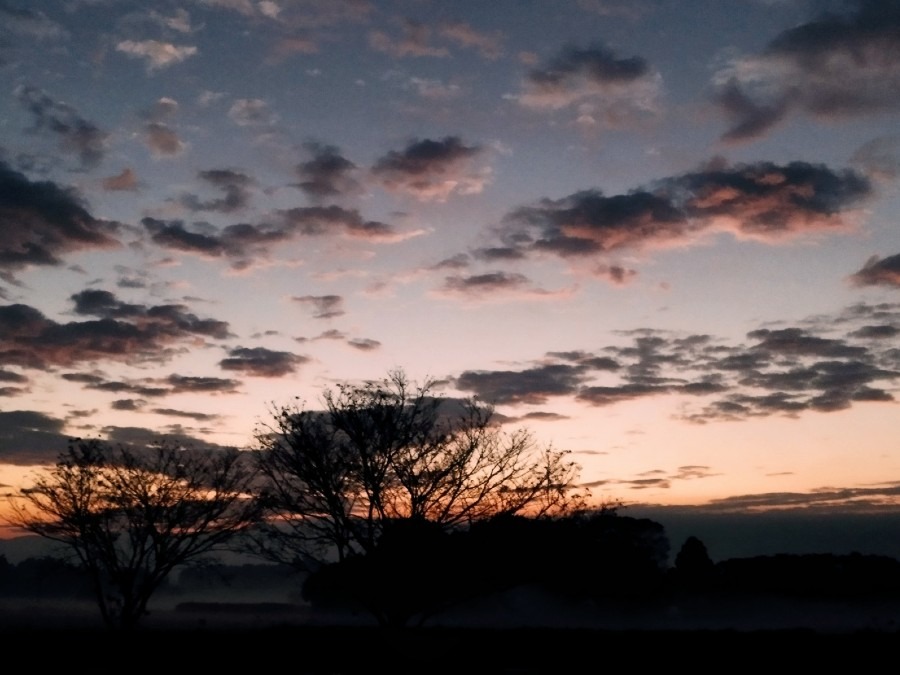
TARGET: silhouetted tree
(693,566)
(386,452)
(132,516)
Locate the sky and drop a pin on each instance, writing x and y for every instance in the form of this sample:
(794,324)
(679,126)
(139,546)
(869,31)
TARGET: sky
(659,234)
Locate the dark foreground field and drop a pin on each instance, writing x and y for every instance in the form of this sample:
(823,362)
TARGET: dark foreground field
(354,650)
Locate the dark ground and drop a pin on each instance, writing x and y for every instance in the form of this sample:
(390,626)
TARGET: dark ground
(354,650)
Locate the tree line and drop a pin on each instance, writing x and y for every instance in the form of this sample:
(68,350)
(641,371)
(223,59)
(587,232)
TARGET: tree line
(368,480)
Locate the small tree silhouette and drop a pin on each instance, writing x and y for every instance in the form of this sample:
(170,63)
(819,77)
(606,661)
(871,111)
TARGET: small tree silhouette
(132,516)
(693,566)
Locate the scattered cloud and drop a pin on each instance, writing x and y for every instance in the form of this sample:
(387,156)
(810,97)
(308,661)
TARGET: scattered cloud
(327,174)
(28,437)
(837,65)
(605,90)
(364,344)
(124,181)
(489,45)
(414,40)
(879,272)
(123,332)
(76,135)
(762,202)
(41,221)
(433,170)
(251,112)
(779,371)
(234,184)
(158,135)
(158,55)
(323,306)
(262,362)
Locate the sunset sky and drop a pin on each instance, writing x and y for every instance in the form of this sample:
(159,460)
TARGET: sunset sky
(661,234)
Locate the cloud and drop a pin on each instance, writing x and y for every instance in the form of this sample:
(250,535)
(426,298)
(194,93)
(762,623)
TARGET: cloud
(414,41)
(432,170)
(327,173)
(158,136)
(607,91)
(879,158)
(40,222)
(364,344)
(480,285)
(489,45)
(762,202)
(532,386)
(241,243)
(323,306)
(196,416)
(29,437)
(30,23)
(125,181)
(124,332)
(262,362)
(158,55)
(155,387)
(780,371)
(838,65)
(204,385)
(76,135)
(251,112)
(244,243)
(879,272)
(322,220)
(235,186)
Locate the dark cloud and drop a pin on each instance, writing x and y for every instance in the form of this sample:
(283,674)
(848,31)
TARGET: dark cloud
(234,184)
(609,91)
(173,318)
(128,404)
(9,376)
(783,371)
(327,173)
(432,169)
(140,438)
(533,386)
(206,385)
(596,63)
(322,220)
(323,306)
(76,135)
(879,272)
(28,437)
(838,65)
(761,201)
(155,387)
(479,284)
(132,333)
(40,222)
(196,416)
(364,344)
(262,362)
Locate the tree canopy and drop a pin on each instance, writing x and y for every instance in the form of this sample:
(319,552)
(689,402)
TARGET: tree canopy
(392,450)
(131,516)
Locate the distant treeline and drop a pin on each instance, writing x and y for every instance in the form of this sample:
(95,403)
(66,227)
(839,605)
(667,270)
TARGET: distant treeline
(418,568)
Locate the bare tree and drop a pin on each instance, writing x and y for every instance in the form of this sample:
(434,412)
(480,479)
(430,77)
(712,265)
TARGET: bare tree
(132,515)
(389,450)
